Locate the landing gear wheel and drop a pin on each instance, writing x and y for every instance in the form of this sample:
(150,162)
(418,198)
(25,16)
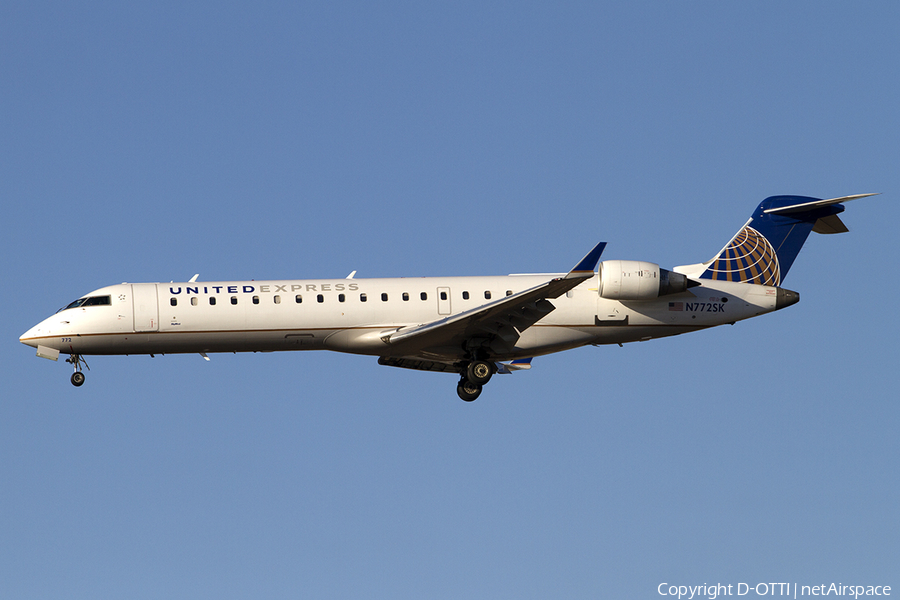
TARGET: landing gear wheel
(479,372)
(467,390)
(76,360)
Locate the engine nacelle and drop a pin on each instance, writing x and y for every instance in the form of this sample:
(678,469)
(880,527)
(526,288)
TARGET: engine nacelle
(638,280)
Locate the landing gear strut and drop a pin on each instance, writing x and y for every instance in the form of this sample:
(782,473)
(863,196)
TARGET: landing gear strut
(77,360)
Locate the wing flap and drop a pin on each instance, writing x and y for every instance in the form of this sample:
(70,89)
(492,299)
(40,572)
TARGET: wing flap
(408,362)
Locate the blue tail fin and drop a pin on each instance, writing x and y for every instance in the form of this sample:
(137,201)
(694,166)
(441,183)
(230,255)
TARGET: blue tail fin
(765,248)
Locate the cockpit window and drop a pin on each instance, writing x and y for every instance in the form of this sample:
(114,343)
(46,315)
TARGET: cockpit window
(90,301)
(75,304)
(98,301)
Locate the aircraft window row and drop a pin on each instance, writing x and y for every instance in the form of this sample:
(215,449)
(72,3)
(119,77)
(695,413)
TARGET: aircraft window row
(487,295)
(320,298)
(90,301)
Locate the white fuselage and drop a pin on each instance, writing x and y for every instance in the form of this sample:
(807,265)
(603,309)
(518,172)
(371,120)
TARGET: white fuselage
(354,315)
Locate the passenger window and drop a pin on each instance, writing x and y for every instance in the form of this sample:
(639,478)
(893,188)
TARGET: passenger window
(234,299)
(423,296)
(405,296)
(487,295)
(340,297)
(277,299)
(509,292)
(194,301)
(465,295)
(173,301)
(255,299)
(212,300)
(320,298)
(298,298)
(384,297)
(362,298)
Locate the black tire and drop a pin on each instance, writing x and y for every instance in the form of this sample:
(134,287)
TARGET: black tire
(77,378)
(479,372)
(467,390)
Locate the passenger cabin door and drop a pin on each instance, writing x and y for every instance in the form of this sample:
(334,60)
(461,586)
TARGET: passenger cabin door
(146,307)
(443,294)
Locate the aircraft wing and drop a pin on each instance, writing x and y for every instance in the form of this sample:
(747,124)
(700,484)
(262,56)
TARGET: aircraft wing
(499,323)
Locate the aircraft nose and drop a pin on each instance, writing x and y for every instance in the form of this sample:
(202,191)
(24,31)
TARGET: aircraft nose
(25,338)
(29,338)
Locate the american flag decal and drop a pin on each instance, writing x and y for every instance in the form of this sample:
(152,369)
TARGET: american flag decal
(676,306)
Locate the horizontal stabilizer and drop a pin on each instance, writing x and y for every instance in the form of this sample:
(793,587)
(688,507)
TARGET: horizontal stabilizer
(810,206)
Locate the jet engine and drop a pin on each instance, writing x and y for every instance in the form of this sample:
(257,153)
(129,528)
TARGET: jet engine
(638,280)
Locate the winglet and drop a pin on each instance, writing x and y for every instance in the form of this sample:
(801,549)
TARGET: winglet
(585,268)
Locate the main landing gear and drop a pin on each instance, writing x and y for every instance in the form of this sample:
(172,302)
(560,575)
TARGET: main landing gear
(475,376)
(77,377)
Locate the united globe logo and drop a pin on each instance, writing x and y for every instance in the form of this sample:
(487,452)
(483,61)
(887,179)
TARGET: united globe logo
(749,258)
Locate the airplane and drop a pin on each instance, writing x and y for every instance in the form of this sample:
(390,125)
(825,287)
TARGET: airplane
(474,327)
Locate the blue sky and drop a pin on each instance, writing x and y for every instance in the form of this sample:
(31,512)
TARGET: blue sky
(151,141)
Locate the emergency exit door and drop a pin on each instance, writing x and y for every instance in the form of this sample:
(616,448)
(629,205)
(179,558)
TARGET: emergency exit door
(443,294)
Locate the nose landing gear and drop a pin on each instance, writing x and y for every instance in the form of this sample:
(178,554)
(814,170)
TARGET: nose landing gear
(77,377)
